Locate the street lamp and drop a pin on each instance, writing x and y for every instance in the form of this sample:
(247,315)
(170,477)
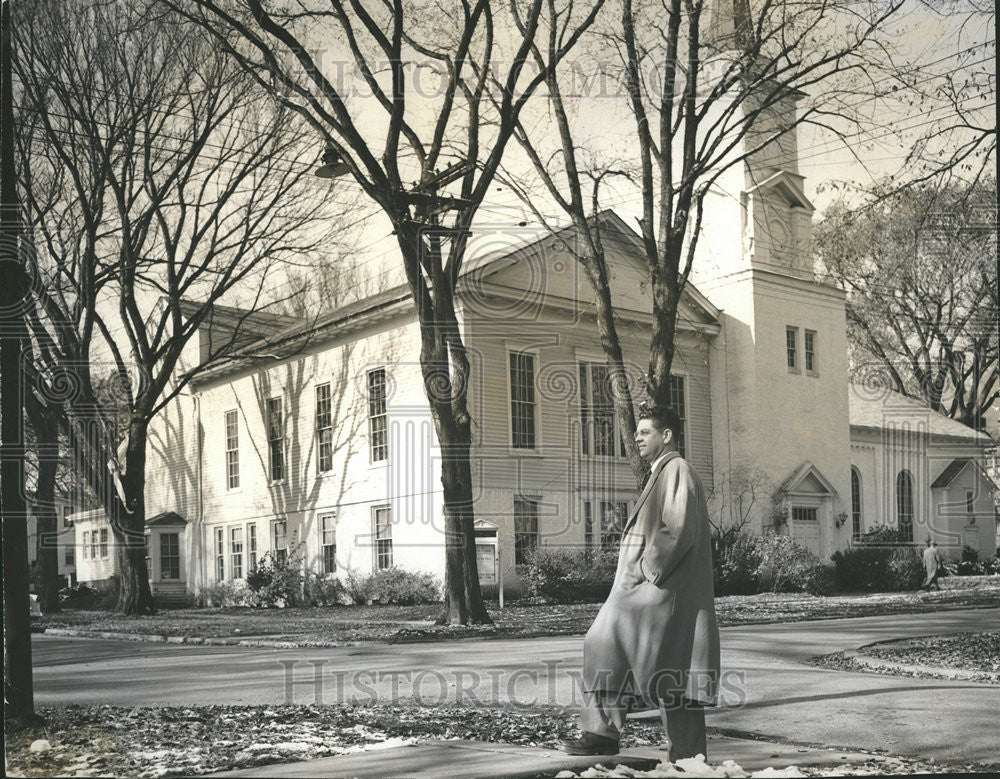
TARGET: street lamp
(333,165)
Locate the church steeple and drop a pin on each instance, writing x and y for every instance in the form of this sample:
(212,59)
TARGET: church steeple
(727,26)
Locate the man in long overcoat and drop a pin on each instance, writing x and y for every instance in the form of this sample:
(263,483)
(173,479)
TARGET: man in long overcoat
(655,641)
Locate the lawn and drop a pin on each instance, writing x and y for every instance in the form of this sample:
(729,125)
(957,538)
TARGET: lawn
(347,624)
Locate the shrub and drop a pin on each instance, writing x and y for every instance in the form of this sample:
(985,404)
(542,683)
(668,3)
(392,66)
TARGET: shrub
(222,595)
(736,564)
(323,591)
(880,562)
(274,582)
(406,588)
(991,565)
(569,575)
(393,585)
(769,563)
(356,587)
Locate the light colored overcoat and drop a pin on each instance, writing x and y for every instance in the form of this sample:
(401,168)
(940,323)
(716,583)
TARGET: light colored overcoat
(656,636)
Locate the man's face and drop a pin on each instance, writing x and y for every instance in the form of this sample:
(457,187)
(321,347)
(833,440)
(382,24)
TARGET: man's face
(652,442)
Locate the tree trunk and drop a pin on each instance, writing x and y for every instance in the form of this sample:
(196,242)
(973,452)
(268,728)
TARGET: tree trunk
(134,594)
(624,408)
(46,524)
(661,346)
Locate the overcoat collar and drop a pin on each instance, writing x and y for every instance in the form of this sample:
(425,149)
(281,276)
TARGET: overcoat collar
(649,485)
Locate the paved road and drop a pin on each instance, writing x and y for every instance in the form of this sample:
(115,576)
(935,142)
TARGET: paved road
(767,688)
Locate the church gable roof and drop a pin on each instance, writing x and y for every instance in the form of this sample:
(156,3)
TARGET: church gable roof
(806,480)
(955,467)
(789,185)
(875,408)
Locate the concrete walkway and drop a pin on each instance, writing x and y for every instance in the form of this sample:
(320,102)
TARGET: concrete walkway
(477,759)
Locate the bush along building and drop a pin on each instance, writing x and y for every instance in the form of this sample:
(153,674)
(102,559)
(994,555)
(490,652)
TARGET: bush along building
(316,439)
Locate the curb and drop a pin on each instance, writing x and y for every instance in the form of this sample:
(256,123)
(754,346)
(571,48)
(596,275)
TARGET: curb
(878,664)
(156,638)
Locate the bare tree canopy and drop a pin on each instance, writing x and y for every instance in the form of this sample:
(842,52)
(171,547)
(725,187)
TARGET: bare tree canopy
(418,114)
(159,184)
(709,88)
(919,267)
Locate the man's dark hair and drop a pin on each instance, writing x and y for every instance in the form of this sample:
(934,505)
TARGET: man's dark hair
(662,417)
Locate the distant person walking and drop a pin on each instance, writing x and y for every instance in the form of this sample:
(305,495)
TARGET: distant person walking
(933,564)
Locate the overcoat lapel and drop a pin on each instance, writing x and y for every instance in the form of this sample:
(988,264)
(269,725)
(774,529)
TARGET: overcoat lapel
(645,490)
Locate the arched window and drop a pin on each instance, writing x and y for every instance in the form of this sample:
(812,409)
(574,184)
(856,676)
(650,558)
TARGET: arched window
(904,505)
(855,503)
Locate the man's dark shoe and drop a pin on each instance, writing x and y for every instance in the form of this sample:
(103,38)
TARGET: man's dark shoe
(589,744)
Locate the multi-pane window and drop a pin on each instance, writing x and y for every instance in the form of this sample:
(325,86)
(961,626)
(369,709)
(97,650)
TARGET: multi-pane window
(597,411)
(522,400)
(86,544)
(252,545)
(93,545)
(232,451)
(170,556)
(275,439)
(236,551)
(804,514)
(104,542)
(70,555)
(588,523)
(614,514)
(328,528)
(855,503)
(66,511)
(809,351)
(383,538)
(791,348)
(324,428)
(525,529)
(279,540)
(220,554)
(904,505)
(970,502)
(378,425)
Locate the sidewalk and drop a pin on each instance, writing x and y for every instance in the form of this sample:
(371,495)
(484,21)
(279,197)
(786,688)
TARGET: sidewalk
(480,759)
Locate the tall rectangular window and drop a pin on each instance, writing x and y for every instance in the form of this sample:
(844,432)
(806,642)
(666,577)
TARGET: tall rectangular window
(104,542)
(378,423)
(66,511)
(614,514)
(252,545)
(232,451)
(275,439)
(324,428)
(279,540)
(86,544)
(588,523)
(93,544)
(220,554)
(525,529)
(970,502)
(236,551)
(678,401)
(70,555)
(809,350)
(328,528)
(791,348)
(383,538)
(522,400)
(597,411)
(170,556)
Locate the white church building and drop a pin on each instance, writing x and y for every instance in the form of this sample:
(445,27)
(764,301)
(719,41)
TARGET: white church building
(318,437)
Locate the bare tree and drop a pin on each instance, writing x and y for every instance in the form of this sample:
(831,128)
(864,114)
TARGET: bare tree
(159,183)
(919,267)
(438,96)
(711,86)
